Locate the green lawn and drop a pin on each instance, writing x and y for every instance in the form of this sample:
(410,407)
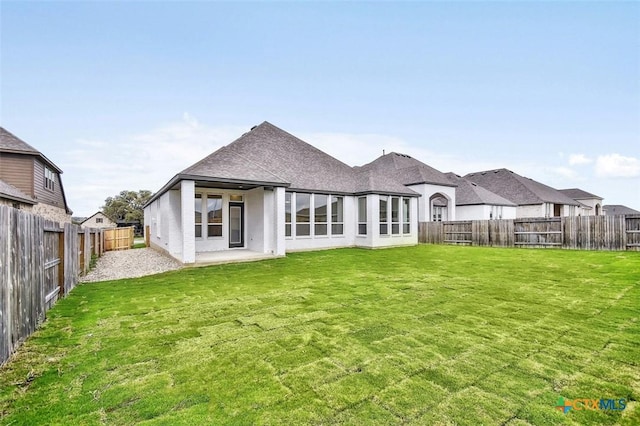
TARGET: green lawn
(420,335)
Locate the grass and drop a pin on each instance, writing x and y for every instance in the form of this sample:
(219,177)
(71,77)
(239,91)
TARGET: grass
(420,335)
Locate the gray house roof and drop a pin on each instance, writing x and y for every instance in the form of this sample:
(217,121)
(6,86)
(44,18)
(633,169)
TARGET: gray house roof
(578,194)
(469,193)
(518,189)
(616,209)
(10,143)
(269,156)
(407,170)
(12,193)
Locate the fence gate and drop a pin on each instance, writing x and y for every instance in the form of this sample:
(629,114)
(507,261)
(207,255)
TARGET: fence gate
(118,238)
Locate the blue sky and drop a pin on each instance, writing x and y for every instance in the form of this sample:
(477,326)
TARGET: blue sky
(123,95)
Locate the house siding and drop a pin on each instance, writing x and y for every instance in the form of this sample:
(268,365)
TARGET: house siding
(17,170)
(483,212)
(92,222)
(42,194)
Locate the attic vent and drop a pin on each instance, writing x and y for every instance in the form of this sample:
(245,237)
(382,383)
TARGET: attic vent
(254,127)
(473,184)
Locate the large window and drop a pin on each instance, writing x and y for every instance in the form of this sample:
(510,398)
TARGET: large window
(197,205)
(303,214)
(320,214)
(406,215)
(287,214)
(214,216)
(337,215)
(384,215)
(362,216)
(49,178)
(395,215)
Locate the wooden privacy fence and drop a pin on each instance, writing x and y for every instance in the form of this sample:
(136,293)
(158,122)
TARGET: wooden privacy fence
(40,261)
(581,232)
(118,238)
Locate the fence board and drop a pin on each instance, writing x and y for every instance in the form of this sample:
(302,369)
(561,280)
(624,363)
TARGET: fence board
(118,238)
(579,233)
(36,256)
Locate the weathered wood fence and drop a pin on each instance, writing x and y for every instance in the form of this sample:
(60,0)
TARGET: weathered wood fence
(580,233)
(40,262)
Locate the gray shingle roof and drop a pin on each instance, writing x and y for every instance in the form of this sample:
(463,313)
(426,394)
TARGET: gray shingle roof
(407,170)
(578,194)
(269,154)
(518,189)
(615,209)
(10,192)
(469,193)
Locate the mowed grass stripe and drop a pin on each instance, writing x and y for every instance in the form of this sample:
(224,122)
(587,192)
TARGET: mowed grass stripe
(419,335)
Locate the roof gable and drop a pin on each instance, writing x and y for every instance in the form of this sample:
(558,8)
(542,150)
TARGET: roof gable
(407,170)
(470,193)
(13,144)
(518,189)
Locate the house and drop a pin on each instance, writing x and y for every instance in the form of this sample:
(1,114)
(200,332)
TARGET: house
(590,205)
(437,193)
(617,209)
(35,178)
(269,192)
(474,202)
(98,220)
(533,199)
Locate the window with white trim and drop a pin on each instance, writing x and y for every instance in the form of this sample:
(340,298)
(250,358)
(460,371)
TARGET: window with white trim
(384,215)
(303,214)
(362,216)
(320,214)
(99,220)
(395,215)
(406,215)
(337,215)
(214,216)
(197,205)
(287,214)
(49,179)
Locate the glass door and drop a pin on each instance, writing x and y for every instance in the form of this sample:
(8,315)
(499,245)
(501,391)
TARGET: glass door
(236,225)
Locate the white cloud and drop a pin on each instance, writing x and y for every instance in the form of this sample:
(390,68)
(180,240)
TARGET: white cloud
(579,159)
(617,166)
(97,169)
(565,172)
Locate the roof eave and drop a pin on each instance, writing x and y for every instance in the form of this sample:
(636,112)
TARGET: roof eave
(452,185)
(18,199)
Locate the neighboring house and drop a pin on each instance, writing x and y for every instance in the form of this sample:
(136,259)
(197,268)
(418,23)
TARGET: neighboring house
(617,209)
(437,193)
(98,220)
(474,202)
(590,204)
(534,199)
(12,196)
(269,192)
(26,169)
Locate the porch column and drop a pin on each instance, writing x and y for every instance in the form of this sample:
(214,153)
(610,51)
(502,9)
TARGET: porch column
(280,247)
(188,220)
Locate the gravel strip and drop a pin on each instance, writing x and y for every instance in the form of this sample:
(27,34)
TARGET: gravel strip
(115,265)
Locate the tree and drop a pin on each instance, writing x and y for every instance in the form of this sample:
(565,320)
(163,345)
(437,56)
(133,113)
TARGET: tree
(127,206)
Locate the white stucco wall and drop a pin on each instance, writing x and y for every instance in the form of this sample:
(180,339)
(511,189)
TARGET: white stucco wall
(534,210)
(374,239)
(483,212)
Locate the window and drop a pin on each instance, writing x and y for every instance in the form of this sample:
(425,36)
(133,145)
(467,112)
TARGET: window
(235,198)
(287,214)
(320,214)
(337,216)
(49,178)
(198,215)
(303,214)
(406,215)
(496,212)
(384,215)
(395,215)
(362,216)
(99,220)
(214,216)
(437,213)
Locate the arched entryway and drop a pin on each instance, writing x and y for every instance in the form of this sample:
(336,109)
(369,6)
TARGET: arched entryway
(439,206)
